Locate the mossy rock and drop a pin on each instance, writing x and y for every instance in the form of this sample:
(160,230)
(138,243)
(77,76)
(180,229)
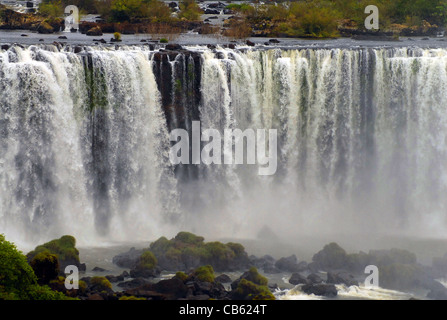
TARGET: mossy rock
(204,273)
(187,251)
(131,298)
(253,276)
(45,266)
(247,290)
(100,284)
(181,275)
(331,257)
(45,28)
(63,248)
(147,260)
(188,237)
(400,276)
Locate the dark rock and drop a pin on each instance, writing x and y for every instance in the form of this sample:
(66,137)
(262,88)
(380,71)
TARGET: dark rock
(250,43)
(95,296)
(232,46)
(437,292)
(271,269)
(41,40)
(100,40)
(144,273)
(98,269)
(331,257)
(290,264)
(174,288)
(95,31)
(62,37)
(134,283)
(211,46)
(297,278)
(172,4)
(274,41)
(77,49)
(223,278)
(114,279)
(213,17)
(173,47)
(314,278)
(45,28)
(143,40)
(320,289)
(341,278)
(128,259)
(212,11)
(24,35)
(5,47)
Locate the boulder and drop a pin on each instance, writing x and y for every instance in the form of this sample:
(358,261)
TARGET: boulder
(98,269)
(134,283)
(45,28)
(127,259)
(173,47)
(320,289)
(223,278)
(95,31)
(297,278)
(331,257)
(290,264)
(250,43)
(314,278)
(341,278)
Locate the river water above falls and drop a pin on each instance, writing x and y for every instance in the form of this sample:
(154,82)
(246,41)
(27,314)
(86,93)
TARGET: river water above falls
(84,144)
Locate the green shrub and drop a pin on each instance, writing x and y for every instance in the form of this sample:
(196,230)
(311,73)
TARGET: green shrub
(188,237)
(45,266)
(147,260)
(181,275)
(247,290)
(204,273)
(18,280)
(100,283)
(164,40)
(64,248)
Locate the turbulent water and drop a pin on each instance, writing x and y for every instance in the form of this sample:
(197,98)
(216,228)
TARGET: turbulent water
(84,145)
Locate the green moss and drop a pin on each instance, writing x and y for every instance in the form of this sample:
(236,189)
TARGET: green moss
(188,237)
(45,266)
(164,40)
(160,246)
(204,273)
(247,290)
(64,248)
(100,283)
(147,260)
(181,275)
(131,298)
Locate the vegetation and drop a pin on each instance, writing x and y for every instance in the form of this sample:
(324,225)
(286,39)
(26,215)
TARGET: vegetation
(147,260)
(45,266)
(64,249)
(189,10)
(188,250)
(247,290)
(100,283)
(204,273)
(18,280)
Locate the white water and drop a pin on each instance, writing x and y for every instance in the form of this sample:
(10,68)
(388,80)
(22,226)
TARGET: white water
(362,144)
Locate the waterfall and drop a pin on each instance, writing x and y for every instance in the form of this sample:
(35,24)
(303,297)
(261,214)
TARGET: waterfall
(84,145)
